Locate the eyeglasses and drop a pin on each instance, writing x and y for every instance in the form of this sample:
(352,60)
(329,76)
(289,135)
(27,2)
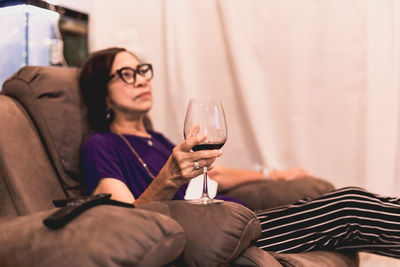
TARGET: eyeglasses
(128,75)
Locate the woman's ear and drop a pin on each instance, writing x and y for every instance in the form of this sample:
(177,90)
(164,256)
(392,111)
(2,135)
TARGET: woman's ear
(108,102)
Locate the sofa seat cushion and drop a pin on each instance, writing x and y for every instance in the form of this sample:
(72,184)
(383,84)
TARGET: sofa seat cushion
(102,236)
(215,234)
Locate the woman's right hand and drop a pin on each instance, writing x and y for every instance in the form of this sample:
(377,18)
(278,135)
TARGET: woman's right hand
(180,167)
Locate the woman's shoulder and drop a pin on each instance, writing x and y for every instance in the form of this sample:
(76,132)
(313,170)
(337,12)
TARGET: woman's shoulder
(100,139)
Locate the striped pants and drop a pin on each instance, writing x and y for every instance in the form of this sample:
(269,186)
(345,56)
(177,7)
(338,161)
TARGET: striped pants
(345,220)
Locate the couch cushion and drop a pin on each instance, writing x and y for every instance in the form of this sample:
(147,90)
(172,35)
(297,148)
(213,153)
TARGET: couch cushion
(28,182)
(102,236)
(254,256)
(317,259)
(51,97)
(257,257)
(215,234)
(274,193)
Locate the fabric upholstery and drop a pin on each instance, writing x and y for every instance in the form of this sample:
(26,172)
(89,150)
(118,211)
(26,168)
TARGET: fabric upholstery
(7,208)
(102,236)
(254,256)
(27,178)
(317,259)
(215,234)
(274,193)
(52,98)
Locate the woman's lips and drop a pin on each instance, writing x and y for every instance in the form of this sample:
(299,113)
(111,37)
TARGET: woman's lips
(143,95)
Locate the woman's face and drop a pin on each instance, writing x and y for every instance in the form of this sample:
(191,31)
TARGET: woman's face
(128,99)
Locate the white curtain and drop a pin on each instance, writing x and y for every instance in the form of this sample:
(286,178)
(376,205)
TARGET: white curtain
(382,161)
(304,83)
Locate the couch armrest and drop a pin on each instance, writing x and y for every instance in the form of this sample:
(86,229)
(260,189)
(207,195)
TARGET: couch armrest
(215,234)
(274,193)
(318,259)
(255,257)
(102,236)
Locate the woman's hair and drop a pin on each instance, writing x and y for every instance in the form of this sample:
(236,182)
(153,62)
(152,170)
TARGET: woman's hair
(93,79)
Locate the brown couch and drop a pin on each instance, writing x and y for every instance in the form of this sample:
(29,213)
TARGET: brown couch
(42,126)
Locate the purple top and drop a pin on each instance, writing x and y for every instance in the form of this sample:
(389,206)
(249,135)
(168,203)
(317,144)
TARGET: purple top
(107,155)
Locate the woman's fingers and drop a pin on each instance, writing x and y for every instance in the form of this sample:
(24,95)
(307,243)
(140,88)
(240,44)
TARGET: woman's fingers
(205,154)
(184,164)
(201,163)
(190,164)
(191,141)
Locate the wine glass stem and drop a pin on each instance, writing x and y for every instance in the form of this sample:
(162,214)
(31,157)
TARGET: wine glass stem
(205,184)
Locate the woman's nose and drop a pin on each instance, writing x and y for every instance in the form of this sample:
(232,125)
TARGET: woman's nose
(140,81)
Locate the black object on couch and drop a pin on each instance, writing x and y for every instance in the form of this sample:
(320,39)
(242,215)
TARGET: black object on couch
(42,126)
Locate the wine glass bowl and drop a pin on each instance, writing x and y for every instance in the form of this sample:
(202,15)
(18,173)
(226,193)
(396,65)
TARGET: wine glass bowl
(206,116)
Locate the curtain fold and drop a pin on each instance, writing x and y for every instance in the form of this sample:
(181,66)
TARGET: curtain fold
(382,86)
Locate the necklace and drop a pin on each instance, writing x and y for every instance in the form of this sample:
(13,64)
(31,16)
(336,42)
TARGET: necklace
(137,156)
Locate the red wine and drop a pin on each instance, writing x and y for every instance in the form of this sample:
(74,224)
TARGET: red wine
(208,146)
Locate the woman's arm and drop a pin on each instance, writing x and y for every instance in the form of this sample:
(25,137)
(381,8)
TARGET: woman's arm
(230,177)
(289,174)
(118,190)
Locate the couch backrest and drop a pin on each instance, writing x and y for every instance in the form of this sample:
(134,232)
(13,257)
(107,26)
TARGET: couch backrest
(52,99)
(52,114)
(28,182)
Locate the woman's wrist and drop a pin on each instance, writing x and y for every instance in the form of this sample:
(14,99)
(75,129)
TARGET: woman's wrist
(265,172)
(161,188)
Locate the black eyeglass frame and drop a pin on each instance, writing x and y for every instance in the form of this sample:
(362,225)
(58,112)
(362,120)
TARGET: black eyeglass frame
(135,72)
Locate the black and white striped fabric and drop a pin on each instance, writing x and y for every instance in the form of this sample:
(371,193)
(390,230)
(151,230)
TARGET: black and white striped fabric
(347,219)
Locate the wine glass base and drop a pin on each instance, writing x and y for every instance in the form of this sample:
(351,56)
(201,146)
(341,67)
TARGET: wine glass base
(205,201)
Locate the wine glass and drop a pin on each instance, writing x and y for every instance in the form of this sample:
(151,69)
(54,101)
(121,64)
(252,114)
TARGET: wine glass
(206,116)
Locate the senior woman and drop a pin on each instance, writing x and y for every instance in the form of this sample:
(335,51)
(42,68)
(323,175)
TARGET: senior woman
(136,165)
